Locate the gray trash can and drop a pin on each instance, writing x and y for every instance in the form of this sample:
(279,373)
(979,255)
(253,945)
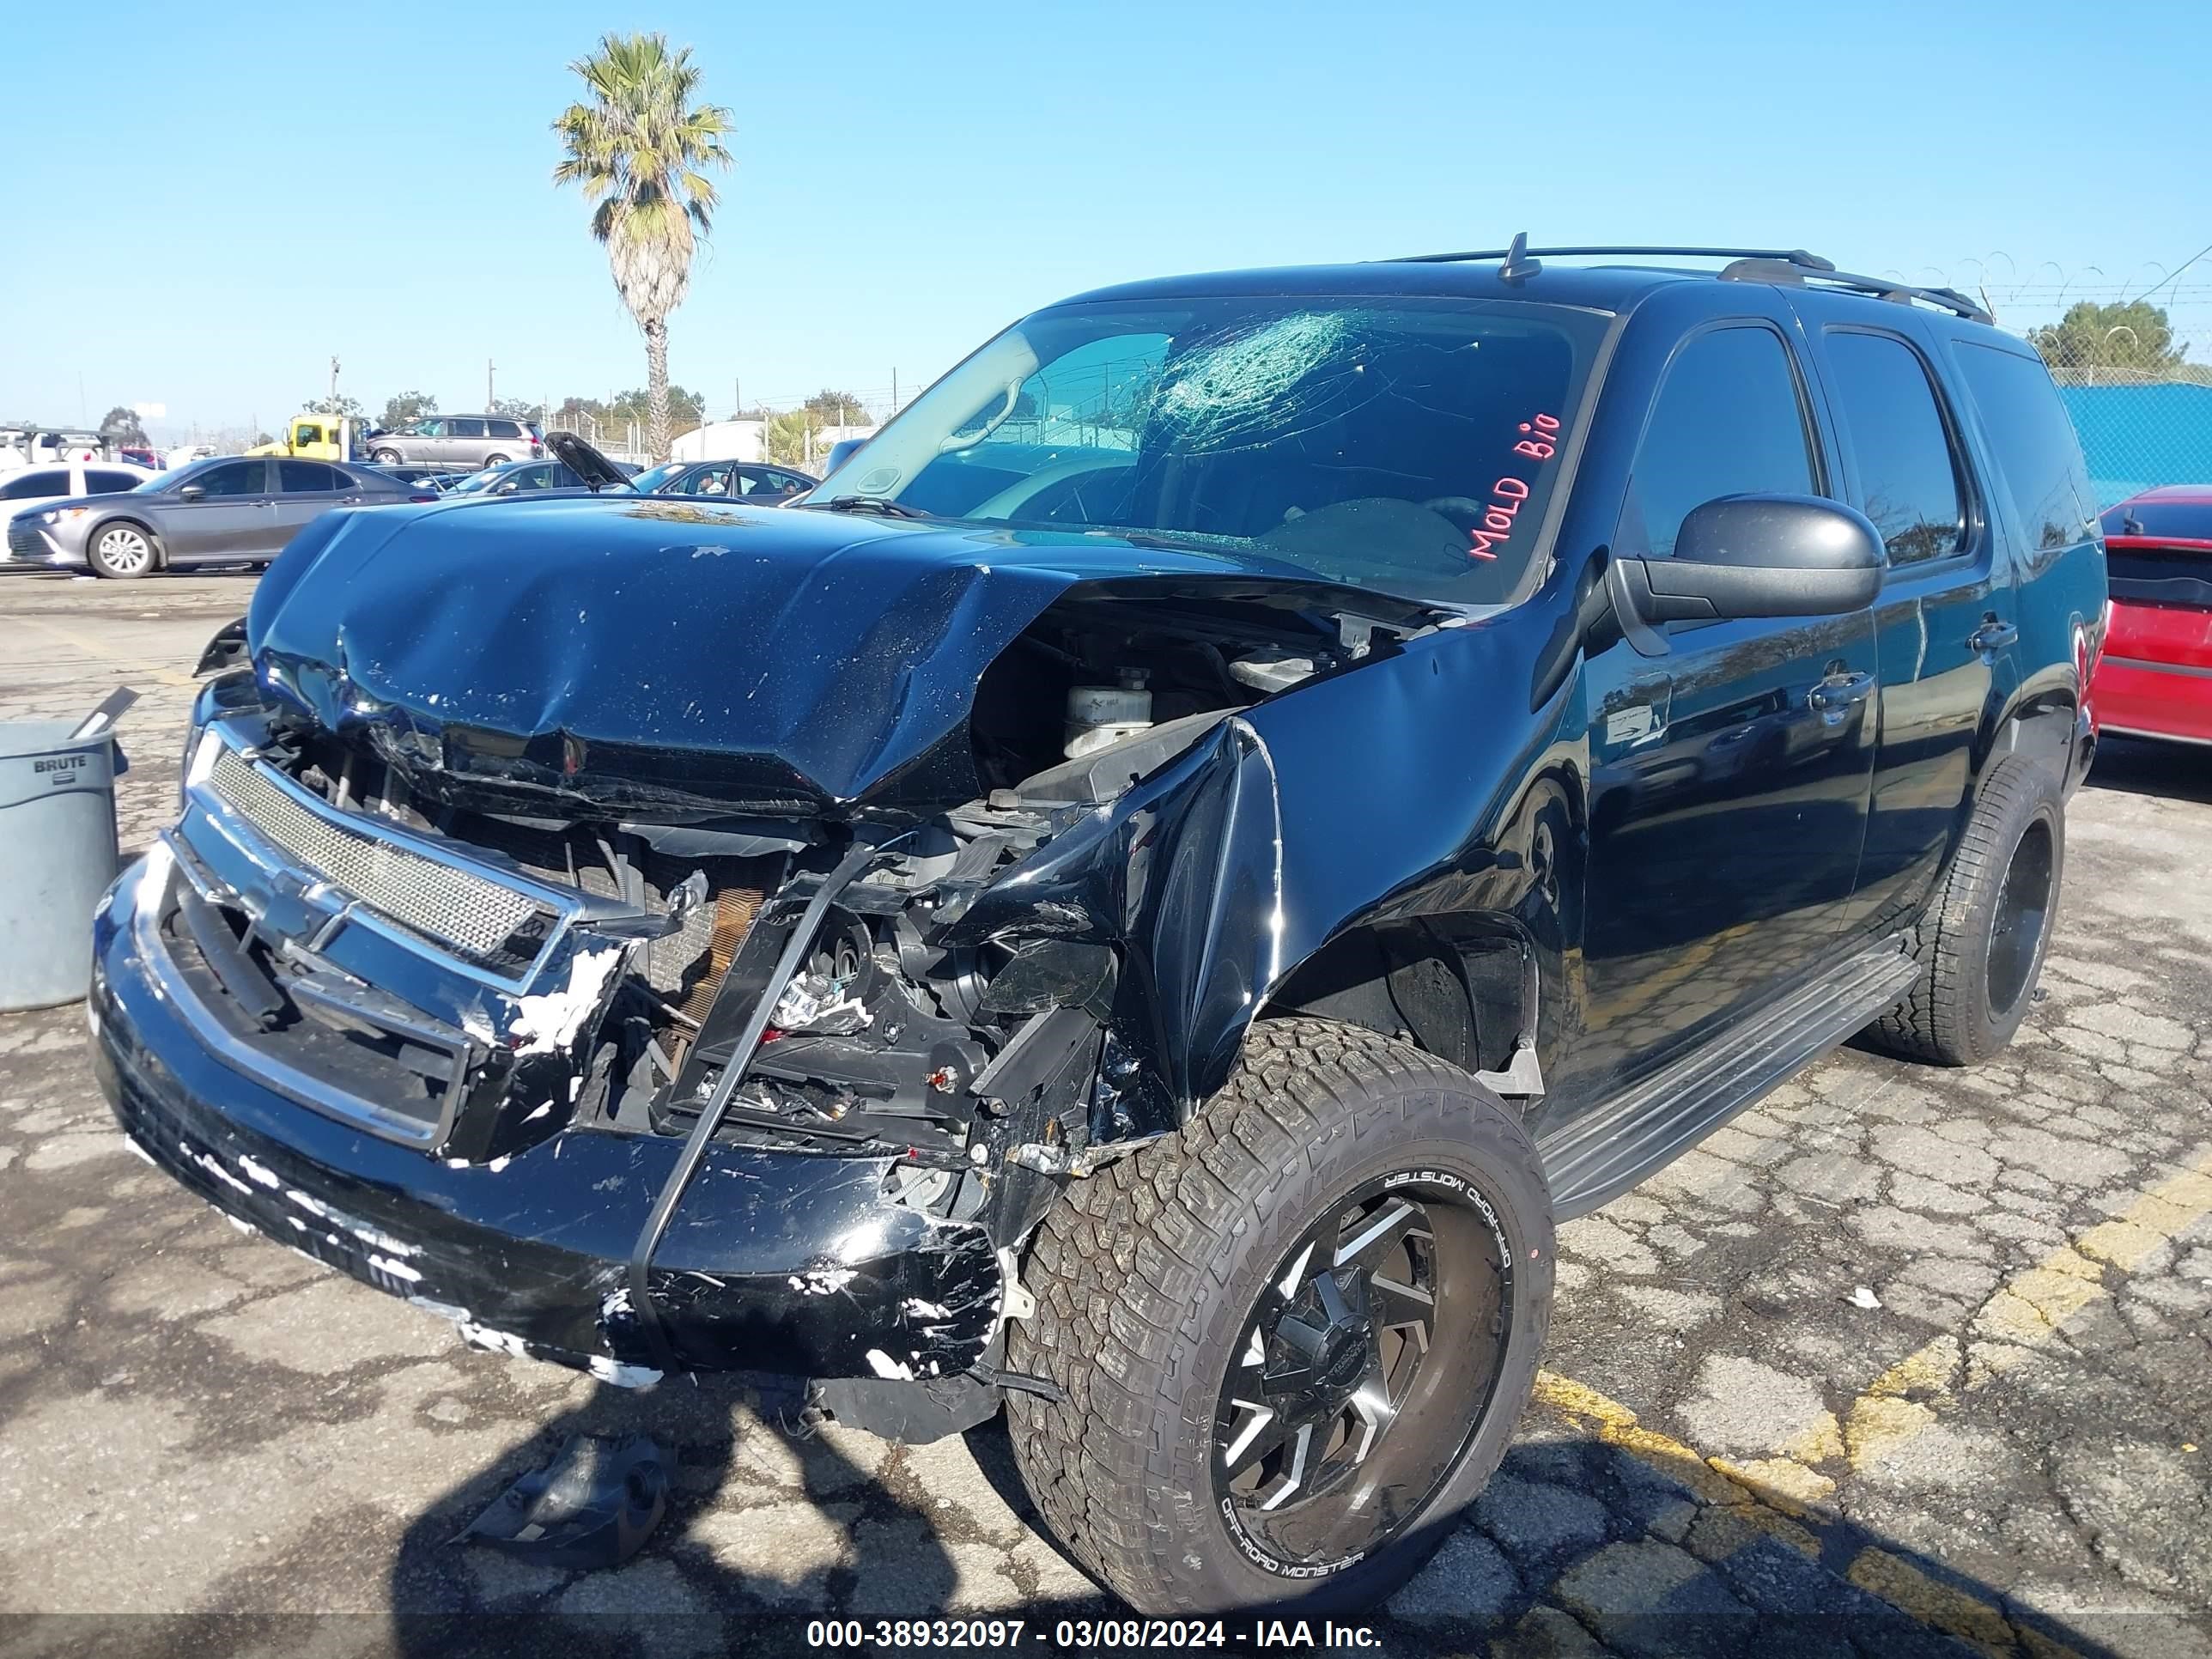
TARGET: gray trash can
(58,854)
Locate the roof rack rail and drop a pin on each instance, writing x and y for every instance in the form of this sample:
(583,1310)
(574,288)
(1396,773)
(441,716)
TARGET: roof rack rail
(1796,256)
(1754,265)
(1904,294)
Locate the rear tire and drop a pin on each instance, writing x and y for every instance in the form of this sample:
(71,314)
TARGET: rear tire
(1981,942)
(1248,1292)
(121,552)
(387,457)
(495,460)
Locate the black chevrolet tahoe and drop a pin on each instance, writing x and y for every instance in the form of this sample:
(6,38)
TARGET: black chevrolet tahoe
(1143,897)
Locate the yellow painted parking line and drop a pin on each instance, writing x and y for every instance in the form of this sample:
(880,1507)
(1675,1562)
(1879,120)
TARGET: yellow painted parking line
(1742,1501)
(100,652)
(2022,1316)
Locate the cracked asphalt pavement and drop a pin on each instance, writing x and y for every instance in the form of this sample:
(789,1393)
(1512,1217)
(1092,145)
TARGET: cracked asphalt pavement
(1902,1361)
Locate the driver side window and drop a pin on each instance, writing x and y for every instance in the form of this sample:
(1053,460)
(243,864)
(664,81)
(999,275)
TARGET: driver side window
(1730,421)
(236,478)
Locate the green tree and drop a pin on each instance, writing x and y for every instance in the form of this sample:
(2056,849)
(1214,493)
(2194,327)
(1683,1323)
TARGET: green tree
(349,407)
(640,149)
(406,408)
(686,408)
(120,426)
(794,437)
(2135,335)
(835,408)
(516,408)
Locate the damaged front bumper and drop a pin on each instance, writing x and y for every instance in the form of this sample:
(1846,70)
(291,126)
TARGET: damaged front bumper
(781,1261)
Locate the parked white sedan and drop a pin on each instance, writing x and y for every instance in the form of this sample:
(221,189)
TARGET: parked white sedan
(20,486)
(25,487)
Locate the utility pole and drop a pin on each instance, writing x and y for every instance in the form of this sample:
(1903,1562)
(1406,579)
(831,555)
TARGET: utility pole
(895,392)
(491,403)
(334,383)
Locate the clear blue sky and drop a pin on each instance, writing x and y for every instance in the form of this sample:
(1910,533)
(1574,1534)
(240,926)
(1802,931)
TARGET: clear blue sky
(910,178)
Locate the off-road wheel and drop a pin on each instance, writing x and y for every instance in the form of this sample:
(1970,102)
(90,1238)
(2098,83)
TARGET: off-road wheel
(387,457)
(121,552)
(1980,943)
(1294,1338)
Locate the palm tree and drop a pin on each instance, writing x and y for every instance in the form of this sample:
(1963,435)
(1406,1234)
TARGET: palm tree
(638,149)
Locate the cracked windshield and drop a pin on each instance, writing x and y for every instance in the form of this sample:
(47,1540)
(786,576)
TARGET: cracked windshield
(1400,445)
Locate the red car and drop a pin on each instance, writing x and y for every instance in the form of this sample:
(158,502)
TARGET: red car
(2155,677)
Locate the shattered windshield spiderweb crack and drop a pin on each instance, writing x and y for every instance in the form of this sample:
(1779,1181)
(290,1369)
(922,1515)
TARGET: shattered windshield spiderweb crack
(1259,383)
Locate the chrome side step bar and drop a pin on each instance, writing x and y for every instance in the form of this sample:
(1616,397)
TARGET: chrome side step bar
(1601,1154)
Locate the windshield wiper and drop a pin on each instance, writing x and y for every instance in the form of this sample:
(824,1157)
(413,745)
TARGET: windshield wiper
(881,506)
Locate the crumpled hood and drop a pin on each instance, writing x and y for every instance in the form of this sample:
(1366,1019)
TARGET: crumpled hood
(649,656)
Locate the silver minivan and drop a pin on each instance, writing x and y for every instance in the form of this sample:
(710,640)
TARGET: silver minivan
(462,442)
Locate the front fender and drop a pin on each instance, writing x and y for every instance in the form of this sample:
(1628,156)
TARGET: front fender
(1392,790)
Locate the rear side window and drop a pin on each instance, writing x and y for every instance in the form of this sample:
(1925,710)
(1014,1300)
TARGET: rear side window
(1729,421)
(110,482)
(505,429)
(33,485)
(2038,455)
(1908,481)
(298,478)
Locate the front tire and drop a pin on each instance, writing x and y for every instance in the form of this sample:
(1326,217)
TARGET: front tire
(121,552)
(1981,942)
(1333,1284)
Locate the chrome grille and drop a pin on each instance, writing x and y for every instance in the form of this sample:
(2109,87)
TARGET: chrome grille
(473,914)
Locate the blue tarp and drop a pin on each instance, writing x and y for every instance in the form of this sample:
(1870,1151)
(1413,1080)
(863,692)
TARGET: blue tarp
(2135,436)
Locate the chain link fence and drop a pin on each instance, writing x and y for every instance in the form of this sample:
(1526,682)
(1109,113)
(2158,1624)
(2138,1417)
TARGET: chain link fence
(2131,354)
(2139,426)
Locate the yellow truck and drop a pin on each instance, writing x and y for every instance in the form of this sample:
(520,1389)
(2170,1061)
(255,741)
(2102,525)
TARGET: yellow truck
(318,437)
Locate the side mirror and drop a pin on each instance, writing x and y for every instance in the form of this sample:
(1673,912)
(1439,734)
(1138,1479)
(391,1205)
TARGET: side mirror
(839,452)
(190,493)
(1759,555)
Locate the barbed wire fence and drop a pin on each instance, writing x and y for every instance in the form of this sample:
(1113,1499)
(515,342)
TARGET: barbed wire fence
(788,439)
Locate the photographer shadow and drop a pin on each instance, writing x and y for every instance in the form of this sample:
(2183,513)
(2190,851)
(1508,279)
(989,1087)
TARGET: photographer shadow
(769,1537)
(769,1526)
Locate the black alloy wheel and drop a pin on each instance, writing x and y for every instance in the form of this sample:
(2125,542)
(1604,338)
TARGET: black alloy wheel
(1361,1374)
(2023,916)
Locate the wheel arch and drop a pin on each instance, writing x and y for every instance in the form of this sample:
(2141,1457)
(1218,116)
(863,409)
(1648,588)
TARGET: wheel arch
(2038,728)
(1463,987)
(143,526)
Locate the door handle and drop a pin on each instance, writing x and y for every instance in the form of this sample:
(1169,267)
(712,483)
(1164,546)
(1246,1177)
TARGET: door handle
(348,501)
(1839,692)
(1993,635)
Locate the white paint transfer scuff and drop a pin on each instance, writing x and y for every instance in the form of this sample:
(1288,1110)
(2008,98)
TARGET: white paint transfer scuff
(822,1281)
(623,1376)
(885,1366)
(482,1336)
(553,1021)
